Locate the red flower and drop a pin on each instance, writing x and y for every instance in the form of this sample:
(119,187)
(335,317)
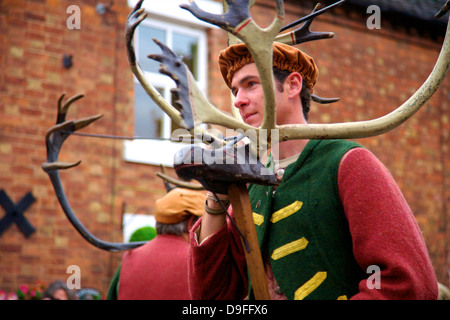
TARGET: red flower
(23,288)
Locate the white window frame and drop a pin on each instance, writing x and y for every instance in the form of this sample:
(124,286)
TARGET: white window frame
(167,15)
(134,221)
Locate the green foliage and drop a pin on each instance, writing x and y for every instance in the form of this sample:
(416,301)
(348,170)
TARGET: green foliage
(143,234)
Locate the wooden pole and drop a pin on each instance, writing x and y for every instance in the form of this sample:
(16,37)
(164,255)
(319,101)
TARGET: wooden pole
(244,219)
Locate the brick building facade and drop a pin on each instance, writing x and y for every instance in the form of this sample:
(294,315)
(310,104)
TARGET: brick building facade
(372,70)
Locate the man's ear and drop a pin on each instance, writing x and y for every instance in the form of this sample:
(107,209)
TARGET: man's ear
(294,84)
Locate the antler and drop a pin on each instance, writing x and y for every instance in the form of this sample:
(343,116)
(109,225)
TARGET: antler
(196,109)
(177,182)
(362,129)
(190,117)
(259,41)
(303,34)
(134,19)
(445,8)
(56,135)
(191,107)
(192,104)
(54,139)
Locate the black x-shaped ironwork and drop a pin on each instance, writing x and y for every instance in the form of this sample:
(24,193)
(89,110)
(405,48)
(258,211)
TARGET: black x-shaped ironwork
(14,213)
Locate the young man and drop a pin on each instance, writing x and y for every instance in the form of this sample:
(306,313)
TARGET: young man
(336,227)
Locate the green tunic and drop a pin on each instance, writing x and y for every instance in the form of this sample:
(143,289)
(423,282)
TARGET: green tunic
(302,226)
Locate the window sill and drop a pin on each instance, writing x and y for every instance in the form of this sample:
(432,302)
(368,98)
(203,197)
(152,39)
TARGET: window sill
(154,152)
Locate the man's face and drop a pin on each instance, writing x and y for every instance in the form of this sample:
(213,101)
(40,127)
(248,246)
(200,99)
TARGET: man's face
(249,97)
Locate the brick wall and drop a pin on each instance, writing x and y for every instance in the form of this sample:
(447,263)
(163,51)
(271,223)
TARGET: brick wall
(34,38)
(372,72)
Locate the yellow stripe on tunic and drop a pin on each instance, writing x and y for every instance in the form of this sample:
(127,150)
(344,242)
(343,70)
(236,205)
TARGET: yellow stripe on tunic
(286,211)
(289,248)
(310,285)
(258,218)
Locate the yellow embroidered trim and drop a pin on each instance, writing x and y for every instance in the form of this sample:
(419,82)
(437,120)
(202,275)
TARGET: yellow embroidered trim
(286,211)
(344,297)
(310,285)
(258,218)
(289,248)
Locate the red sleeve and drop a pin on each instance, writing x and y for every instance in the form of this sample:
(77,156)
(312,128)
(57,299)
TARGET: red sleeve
(217,267)
(384,231)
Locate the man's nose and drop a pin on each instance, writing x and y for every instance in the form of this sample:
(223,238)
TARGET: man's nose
(240,100)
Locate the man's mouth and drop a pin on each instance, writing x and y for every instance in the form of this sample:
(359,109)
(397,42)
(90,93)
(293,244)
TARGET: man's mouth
(247,116)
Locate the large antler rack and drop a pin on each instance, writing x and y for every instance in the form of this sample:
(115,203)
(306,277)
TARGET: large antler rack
(192,108)
(54,140)
(237,21)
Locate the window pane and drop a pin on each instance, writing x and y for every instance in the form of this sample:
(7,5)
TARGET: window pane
(148,117)
(187,47)
(147,46)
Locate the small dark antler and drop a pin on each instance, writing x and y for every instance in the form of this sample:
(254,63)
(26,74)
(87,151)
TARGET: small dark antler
(445,8)
(63,108)
(136,16)
(238,11)
(312,15)
(322,100)
(56,135)
(303,34)
(176,182)
(173,66)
